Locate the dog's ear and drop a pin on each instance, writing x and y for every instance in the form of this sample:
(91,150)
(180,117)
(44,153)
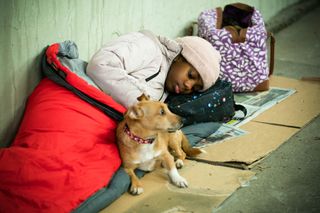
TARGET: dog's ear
(143,97)
(135,112)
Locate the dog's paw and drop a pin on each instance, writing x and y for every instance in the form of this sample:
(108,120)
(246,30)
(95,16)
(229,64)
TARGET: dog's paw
(180,182)
(136,190)
(179,163)
(177,179)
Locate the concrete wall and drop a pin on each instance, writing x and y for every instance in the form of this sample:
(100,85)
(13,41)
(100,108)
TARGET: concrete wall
(27,26)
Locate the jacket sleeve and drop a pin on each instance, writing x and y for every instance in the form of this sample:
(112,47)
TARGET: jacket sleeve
(120,68)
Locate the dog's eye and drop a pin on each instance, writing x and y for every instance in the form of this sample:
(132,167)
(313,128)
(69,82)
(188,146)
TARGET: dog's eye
(162,112)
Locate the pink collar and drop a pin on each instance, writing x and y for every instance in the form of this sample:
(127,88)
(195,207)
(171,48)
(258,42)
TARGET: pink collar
(137,138)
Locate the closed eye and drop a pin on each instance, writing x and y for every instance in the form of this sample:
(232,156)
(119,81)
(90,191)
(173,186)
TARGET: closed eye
(190,76)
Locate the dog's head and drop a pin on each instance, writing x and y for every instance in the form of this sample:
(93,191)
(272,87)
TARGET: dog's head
(153,115)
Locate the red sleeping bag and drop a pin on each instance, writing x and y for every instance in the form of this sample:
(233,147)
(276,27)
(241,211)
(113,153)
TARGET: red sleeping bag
(64,151)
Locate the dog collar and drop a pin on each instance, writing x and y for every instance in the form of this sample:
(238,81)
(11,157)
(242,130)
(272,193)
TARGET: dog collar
(137,138)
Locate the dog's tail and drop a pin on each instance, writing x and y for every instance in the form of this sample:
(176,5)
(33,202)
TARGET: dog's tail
(190,151)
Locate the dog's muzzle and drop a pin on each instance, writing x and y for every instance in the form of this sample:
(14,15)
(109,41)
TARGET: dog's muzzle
(170,130)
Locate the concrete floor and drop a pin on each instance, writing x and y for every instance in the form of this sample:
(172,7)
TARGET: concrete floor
(289,179)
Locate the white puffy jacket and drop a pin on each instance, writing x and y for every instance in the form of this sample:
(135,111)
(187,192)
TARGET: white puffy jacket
(133,64)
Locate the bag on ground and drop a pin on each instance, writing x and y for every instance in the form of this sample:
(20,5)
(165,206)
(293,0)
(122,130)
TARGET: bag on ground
(214,105)
(239,34)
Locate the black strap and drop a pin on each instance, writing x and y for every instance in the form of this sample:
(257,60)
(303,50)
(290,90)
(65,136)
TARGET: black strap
(241,108)
(152,76)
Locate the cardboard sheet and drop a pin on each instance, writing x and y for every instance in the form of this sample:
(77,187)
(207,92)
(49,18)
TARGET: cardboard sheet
(259,142)
(298,109)
(208,187)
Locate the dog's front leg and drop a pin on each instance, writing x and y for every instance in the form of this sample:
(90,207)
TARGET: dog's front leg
(174,175)
(136,186)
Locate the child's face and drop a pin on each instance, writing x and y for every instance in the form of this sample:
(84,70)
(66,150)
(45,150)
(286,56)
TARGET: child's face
(183,78)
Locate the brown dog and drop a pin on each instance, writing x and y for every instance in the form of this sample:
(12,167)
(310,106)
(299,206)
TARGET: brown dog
(145,136)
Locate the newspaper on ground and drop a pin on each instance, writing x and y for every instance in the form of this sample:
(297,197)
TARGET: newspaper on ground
(225,132)
(255,103)
(258,102)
